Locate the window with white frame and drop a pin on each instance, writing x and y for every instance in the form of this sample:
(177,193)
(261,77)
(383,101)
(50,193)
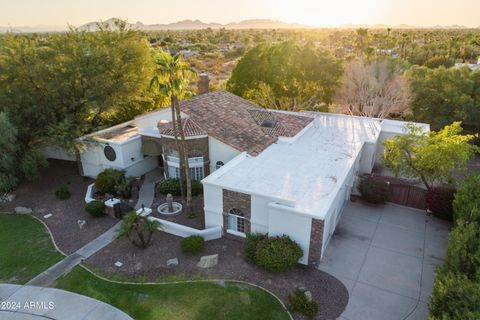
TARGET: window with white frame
(196,173)
(236,220)
(173,172)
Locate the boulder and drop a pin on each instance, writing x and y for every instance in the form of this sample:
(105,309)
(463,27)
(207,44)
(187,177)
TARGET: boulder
(208,261)
(172,262)
(23,210)
(9,197)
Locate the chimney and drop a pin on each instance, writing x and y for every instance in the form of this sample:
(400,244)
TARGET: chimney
(203,83)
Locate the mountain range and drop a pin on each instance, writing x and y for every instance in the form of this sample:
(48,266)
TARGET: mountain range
(197,24)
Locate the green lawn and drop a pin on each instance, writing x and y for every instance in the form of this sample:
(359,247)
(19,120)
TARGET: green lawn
(177,301)
(25,249)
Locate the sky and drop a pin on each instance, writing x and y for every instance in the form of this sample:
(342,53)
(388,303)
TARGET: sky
(311,12)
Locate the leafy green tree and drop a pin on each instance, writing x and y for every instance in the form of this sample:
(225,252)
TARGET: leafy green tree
(57,87)
(138,229)
(8,156)
(171,79)
(432,156)
(286,76)
(441,96)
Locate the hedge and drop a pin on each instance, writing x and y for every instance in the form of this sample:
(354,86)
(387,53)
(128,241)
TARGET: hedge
(299,303)
(192,244)
(108,179)
(456,292)
(95,208)
(172,186)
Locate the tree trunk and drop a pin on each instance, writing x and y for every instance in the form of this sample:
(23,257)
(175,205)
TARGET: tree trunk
(176,130)
(184,154)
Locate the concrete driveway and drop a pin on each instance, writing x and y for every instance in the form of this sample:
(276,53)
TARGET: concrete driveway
(386,256)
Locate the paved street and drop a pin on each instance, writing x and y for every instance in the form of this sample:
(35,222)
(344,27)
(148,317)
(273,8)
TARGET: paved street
(386,257)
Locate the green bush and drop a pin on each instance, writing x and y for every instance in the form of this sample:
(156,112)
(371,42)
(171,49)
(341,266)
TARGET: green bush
(167,186)
(456,290)
(278,253)
(95,208)
(466,205)
(63,193)
(172,186)
(124,187)
(454,297)
(298,303)
(192,244)
(108,179)
(253,239)
(439,201)
(373,190)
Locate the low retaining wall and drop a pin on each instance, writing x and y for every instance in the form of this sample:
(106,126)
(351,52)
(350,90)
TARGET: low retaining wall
(184,231)
(89,194)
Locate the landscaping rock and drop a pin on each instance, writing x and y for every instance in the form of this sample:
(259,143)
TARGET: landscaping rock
(208,261)
(23,210)
(48,216)
(118,264)
(81,224)
(172,262)
(138,266)
(308,295)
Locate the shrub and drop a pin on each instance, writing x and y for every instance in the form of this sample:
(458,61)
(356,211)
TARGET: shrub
(373,191)
(172,186)
(108,179)
(278,253)
(467,200)
(95,208)
(124,187)
(299,303)
(253,239)
(440,202)
(63,193)
(192,244)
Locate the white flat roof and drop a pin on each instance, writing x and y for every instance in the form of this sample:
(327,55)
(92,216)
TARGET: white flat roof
(306,171)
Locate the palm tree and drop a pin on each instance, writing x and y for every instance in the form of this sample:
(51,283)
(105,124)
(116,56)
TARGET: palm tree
(141,226)
(171,78)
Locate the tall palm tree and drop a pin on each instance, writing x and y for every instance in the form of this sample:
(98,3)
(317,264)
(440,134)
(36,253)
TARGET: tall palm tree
(172,76)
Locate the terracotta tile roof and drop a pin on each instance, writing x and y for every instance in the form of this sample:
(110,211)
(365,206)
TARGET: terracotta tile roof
(238,123)
(190,128)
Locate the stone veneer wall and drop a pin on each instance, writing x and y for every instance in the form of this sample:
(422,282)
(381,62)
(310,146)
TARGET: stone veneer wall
(316,239)
(237,200)
(200,144)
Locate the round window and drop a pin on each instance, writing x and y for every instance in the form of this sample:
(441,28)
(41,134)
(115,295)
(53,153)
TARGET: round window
(110,153)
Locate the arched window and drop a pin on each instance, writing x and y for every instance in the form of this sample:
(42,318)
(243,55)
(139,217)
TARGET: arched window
(236,220)
(218,165)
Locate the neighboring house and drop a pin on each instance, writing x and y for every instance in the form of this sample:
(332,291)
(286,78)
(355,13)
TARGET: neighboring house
(263,171)
(471,66)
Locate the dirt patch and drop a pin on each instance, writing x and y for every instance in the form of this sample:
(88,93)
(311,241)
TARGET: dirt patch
(39,195)
(151,263)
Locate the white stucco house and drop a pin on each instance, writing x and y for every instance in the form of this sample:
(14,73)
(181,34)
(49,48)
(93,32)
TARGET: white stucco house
(262,170)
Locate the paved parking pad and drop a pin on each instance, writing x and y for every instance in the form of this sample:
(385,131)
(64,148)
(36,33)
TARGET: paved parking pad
(386,257)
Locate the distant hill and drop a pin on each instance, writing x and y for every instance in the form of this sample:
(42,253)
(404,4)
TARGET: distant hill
(197,24)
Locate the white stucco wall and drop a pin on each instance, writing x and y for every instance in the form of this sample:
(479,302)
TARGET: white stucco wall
(296,226)
(213,205)
(220,151)
(58,153)
(151,119)
(129,158)
(368,156)
(259,214)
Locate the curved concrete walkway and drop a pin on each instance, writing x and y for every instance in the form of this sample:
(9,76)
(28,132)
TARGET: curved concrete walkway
(146,194)
(33,303)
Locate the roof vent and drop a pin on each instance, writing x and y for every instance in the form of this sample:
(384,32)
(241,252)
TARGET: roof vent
(269,123)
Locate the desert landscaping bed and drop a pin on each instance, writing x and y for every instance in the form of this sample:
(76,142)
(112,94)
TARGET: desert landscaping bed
(39,195)
(197,222)
(151,264)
